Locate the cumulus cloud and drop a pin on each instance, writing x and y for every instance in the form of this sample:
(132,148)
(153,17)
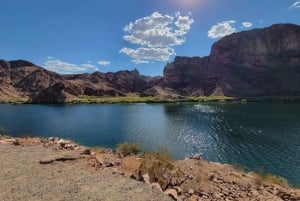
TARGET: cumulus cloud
(148,53)
(68,68)
(247,24)
(295,5)
(103,63)
(222,29)
(155,35)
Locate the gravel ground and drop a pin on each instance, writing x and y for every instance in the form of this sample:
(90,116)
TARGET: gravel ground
(23,178)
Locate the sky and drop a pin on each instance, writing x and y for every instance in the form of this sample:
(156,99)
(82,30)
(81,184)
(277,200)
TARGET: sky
(79,36)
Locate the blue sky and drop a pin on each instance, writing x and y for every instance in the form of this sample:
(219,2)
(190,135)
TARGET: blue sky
(76,36)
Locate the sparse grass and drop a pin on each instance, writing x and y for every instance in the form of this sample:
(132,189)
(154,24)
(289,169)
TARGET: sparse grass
(127,149)
(210,98)
(131,98)
(2,130)
(274,179)
(160,168)
(19,100)
(261,177)
(240,167)
(135,98)
(26,136)
(98,150)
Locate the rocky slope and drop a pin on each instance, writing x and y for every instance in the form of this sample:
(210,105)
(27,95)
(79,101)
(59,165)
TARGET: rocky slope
(58,169)
(259,62)
(22,80)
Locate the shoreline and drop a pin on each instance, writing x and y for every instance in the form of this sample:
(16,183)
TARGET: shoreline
(189,179)
(154,100)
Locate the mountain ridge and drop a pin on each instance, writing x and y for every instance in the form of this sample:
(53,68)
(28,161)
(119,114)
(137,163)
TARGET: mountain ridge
(254,63)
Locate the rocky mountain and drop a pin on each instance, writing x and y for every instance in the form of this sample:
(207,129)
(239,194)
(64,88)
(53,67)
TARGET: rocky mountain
(25,81)
(259,62)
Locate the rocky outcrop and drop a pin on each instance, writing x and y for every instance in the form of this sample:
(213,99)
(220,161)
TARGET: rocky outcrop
(260,62)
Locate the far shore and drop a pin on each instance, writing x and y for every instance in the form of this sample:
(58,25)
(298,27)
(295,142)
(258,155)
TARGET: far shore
(155,99)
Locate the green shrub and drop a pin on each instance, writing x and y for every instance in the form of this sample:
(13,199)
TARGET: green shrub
(127,149)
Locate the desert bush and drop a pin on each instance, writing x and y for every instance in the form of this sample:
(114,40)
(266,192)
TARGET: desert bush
(160,168)
(127,149)
(274,179)
(262,177)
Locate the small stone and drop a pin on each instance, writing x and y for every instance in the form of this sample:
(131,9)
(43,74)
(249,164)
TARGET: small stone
(204,194)
(191,191)
(85,151)
(146,178)
(99,160)
(195,157)
(172,193)
(62,143)
(178,189)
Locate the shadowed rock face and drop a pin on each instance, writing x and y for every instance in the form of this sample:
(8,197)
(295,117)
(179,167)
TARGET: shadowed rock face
(260,62)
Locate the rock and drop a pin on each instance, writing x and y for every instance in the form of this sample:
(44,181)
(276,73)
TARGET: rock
(12,141)
(46,161)
(156,186)
(172,193)
(99,160)
(178,189)
(85,150)
(61,142)
(195,157)
(66,158)
(191,191)
(146,178)
(193,198)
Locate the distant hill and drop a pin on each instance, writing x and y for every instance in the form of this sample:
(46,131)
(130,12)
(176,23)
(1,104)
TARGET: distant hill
(259,62)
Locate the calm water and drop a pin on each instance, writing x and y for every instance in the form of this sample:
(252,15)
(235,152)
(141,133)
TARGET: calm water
(253,134)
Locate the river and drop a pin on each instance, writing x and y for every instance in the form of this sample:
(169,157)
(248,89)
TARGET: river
(254,135)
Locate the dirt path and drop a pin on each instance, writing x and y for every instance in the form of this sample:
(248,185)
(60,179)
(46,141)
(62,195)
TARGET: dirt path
(22,177)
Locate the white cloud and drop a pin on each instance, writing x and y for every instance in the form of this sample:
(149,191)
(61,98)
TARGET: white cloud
(222,29)
(295,5)
(68,68)
(103,63)
(155,35)
(139,61)
(148,53)
(247,24)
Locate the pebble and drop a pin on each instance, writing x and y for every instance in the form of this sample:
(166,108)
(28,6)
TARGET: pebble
(172,193)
